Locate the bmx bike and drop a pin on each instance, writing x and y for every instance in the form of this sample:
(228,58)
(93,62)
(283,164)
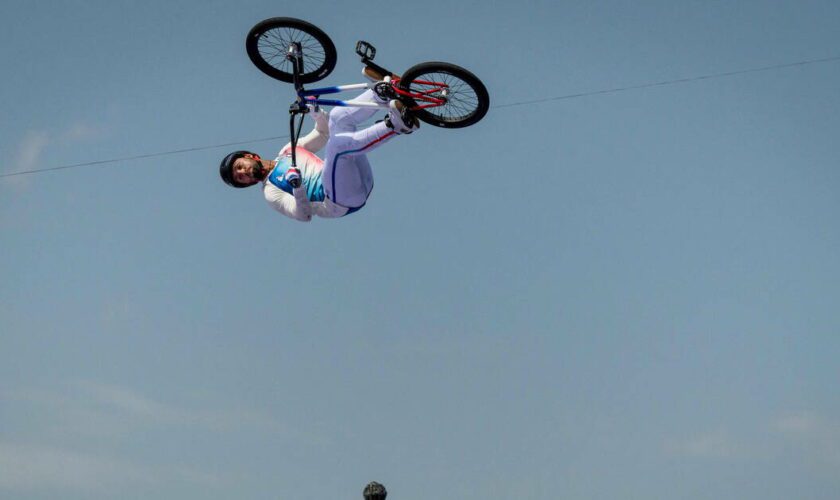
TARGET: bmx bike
(297,52)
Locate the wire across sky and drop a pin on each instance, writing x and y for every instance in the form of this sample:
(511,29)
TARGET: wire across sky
(497,106)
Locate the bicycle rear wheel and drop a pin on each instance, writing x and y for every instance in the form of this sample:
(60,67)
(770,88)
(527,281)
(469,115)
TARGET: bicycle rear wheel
(268,42)
(445,95)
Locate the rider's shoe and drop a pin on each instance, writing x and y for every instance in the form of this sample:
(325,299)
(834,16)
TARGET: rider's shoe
(372,75)
(400,119)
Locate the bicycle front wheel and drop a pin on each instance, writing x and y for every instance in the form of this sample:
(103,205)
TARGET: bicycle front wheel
(268,43)
(445,95)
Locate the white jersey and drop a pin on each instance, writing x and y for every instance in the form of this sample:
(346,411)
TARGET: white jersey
(307,200)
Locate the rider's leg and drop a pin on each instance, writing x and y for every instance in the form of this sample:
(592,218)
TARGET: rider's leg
(348,181)
(347,176)
(347,119)
(315,140)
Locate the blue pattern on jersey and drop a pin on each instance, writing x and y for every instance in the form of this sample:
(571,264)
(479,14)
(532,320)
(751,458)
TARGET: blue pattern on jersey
(312,182)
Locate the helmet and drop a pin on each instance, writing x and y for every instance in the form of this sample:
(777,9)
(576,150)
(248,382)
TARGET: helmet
(226,167)
(375,491)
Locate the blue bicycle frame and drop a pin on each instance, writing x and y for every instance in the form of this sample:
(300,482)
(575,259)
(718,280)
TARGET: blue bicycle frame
(312,96)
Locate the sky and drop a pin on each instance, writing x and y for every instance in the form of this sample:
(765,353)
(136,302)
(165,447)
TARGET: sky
(622,295)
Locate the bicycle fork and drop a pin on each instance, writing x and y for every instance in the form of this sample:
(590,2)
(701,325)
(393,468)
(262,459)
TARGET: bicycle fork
(295,55)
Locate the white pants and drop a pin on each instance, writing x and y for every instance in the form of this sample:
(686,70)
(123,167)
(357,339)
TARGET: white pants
(347,177)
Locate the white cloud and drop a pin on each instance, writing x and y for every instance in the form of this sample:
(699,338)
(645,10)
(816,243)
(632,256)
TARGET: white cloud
(129,402)
(28,157)
(707,445)
(78,132)
(816,435)
(804,436)
(29,152)
(38,467)
(804,424)
(144,409)
(94,409)
(43,467)
(74,437)
(117,311)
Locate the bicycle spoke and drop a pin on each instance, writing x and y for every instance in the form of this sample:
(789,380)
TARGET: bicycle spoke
(461,98)
(274,46)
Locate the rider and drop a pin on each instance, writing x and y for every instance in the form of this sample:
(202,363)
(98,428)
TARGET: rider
(338,185)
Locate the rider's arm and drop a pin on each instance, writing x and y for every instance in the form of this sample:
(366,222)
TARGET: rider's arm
(296,206)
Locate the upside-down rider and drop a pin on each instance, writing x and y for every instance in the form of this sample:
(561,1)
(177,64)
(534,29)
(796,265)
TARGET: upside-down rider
(339,184)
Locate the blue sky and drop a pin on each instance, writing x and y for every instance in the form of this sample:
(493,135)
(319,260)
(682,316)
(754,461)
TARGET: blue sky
(628,295)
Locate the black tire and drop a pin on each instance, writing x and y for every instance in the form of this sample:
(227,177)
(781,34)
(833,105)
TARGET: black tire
(467,102)
(268,41)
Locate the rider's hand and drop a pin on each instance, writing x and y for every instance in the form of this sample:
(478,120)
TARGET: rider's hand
(319,116)
(292,176)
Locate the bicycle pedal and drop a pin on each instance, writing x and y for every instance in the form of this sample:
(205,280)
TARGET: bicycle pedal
(365,50)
